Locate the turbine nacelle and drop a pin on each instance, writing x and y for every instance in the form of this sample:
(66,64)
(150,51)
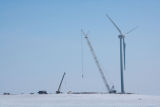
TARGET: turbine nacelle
(121,36)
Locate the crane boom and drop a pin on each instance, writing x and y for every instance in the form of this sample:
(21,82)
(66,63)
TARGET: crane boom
(97,63)
(58,91)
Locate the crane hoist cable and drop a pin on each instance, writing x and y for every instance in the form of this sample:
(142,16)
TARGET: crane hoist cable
(82,57)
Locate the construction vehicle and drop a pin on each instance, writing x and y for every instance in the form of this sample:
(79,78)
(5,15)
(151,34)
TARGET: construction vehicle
(58,91)
(42,92)
(110,90)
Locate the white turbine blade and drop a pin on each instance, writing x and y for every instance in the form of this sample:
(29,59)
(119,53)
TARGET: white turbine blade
(132,30)
(114,24)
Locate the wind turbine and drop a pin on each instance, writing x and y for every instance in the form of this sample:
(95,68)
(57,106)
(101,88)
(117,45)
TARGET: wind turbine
(122,51)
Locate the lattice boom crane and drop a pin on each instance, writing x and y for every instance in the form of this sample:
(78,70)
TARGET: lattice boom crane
(97,63)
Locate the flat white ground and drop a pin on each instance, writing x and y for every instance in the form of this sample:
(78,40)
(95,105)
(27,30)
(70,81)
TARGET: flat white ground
(79,100)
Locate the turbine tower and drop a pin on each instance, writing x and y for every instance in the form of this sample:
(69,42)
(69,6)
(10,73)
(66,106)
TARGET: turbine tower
(122,51)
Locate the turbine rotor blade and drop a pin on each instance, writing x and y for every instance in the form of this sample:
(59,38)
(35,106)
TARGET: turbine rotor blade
(131,30)
(114,24)
(124,53)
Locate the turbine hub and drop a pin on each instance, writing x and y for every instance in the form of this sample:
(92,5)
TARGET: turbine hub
(121,36)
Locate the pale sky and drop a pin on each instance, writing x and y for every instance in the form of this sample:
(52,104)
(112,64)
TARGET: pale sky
(41,39)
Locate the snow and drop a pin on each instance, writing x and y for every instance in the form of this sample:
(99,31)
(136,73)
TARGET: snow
(79,100)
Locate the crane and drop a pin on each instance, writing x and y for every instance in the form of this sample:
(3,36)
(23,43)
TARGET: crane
(58,91)
(110,90)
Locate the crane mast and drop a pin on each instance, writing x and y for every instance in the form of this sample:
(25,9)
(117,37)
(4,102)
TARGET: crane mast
(98,65)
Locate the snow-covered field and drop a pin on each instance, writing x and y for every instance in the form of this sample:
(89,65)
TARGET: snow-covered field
(79,100)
